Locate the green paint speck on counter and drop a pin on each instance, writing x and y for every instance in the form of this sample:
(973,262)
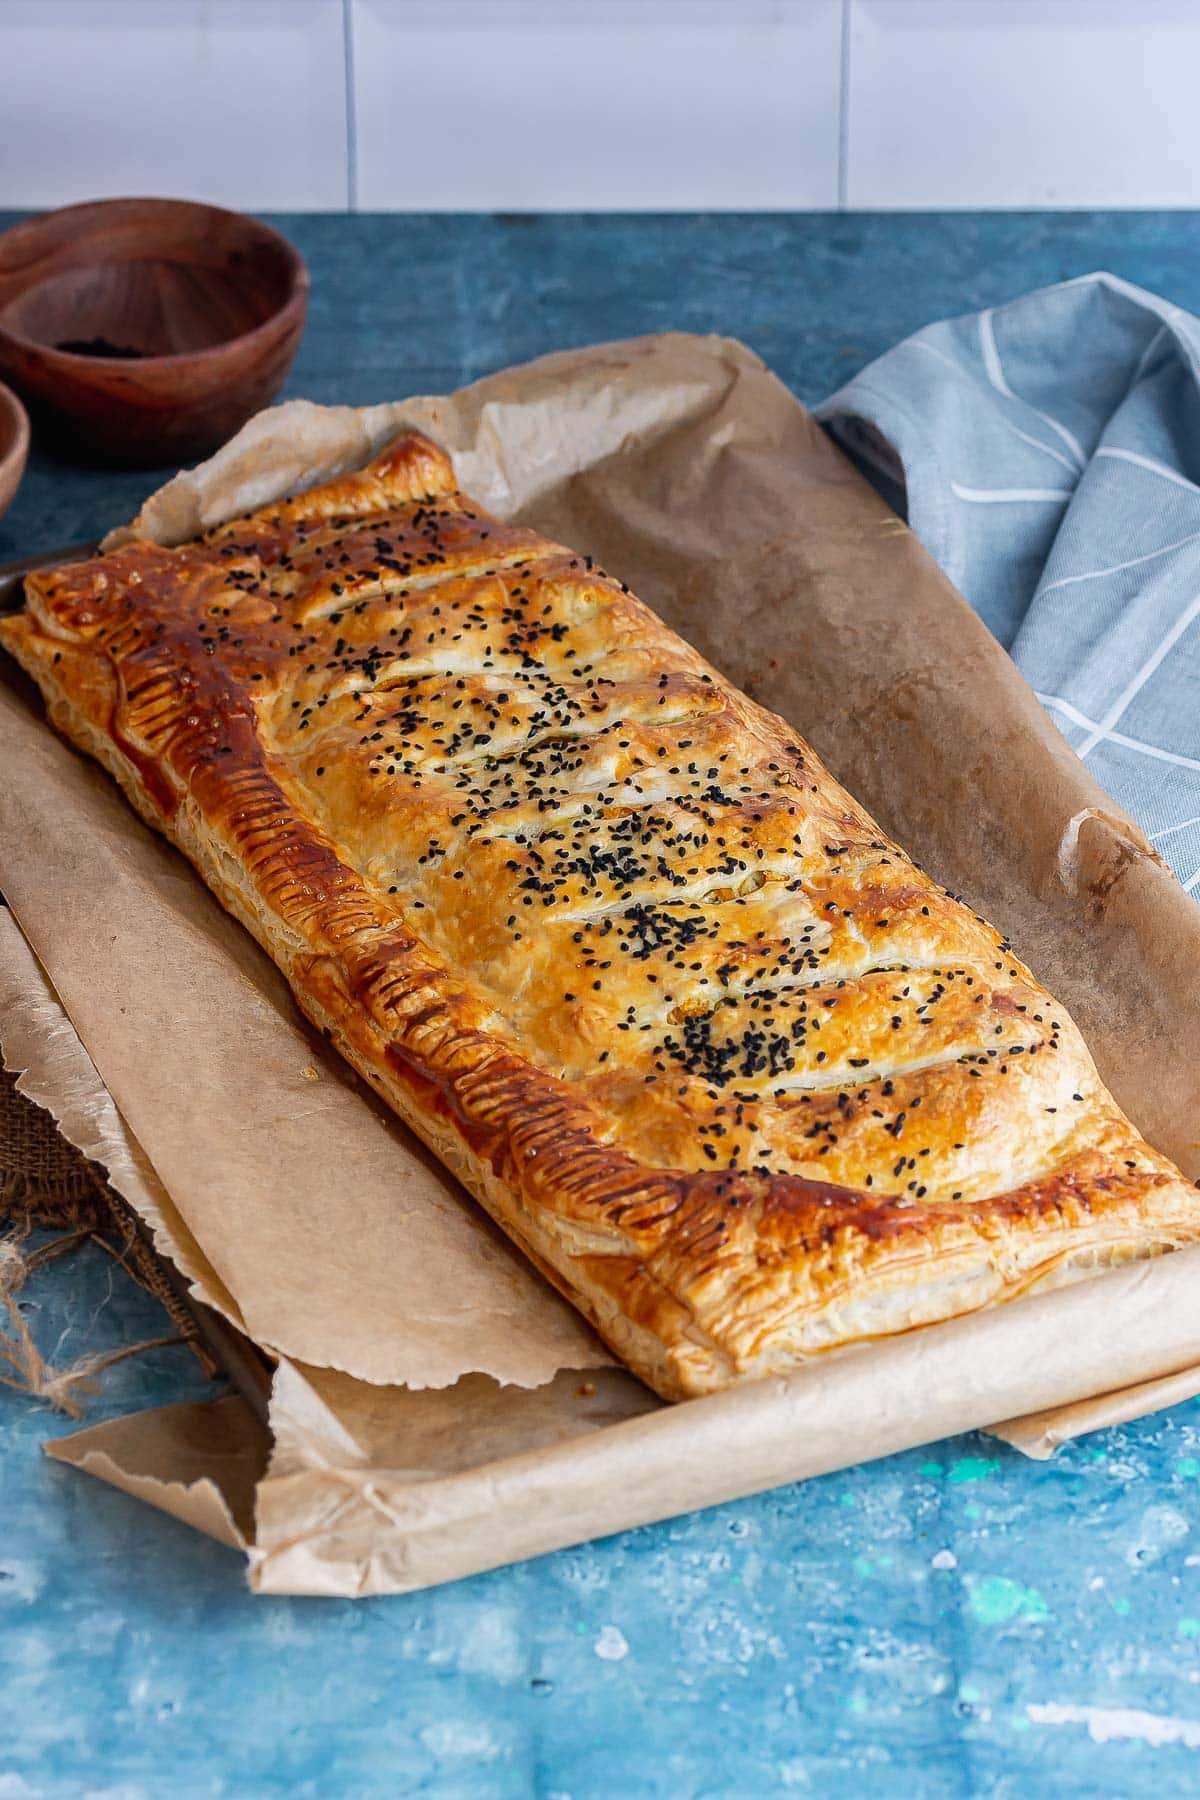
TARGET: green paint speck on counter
(995,1600)
(973,1468)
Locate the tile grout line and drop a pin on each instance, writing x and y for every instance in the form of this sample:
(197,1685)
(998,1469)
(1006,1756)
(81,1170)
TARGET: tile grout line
(351,106)
(843,189)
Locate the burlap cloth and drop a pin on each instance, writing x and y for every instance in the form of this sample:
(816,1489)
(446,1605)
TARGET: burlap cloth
(43,1179)
(46,1184)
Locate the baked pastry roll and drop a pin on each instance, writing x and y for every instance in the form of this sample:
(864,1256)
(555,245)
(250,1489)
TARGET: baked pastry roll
(741,1079)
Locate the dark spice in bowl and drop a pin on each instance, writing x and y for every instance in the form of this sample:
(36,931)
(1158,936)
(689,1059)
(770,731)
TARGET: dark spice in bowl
(147,331)
(98,346)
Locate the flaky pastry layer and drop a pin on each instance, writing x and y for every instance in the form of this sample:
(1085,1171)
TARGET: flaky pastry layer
(741,1079)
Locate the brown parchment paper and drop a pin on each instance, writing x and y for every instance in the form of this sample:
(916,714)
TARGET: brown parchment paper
(433,1485)
(429,1415)
(201,1461)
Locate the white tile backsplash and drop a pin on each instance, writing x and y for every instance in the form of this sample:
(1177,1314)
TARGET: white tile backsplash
(978,103)
(523,106)
(526,104)
(242,102)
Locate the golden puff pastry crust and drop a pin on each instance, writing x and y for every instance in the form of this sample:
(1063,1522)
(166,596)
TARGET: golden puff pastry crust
(743,1081)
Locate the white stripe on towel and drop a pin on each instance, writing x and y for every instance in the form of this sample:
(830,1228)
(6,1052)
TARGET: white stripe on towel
(995,374)
(997,496)
(1118,737)
(1116,568)
(1170,830)
(1148,462)
(1190,612)
(1071,467)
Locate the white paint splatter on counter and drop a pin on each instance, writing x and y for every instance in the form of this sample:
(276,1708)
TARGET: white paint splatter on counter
(611,1645)
(459,1737)
(1111,1724)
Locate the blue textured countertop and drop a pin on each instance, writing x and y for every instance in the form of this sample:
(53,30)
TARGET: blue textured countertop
(952,1622)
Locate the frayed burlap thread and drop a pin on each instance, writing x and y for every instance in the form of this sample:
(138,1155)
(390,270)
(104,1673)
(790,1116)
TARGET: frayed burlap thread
(45,1182)
(22,1365)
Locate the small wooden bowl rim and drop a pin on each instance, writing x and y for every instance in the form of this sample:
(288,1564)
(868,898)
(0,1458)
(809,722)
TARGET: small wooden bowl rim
(14,454)
(295,301)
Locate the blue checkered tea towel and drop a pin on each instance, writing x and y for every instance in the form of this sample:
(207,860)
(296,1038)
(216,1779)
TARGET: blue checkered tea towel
(1047,453)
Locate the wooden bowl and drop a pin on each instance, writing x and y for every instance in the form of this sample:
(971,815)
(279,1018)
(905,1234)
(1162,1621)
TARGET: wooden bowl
(14,446)
(147,331)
